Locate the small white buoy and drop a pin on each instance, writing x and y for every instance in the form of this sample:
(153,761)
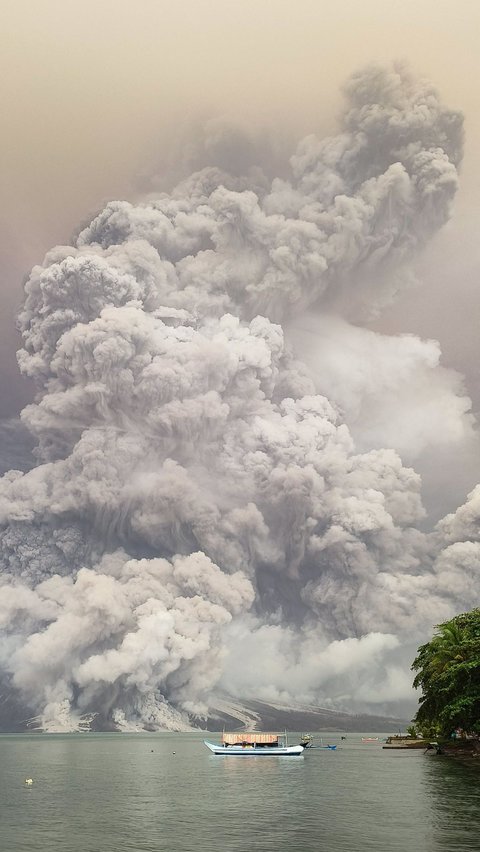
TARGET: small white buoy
(29,782)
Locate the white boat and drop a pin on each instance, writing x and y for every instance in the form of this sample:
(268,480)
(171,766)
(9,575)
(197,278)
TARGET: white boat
(255,744)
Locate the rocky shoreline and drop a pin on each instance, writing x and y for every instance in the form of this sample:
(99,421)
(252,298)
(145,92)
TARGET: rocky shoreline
(398,741)
(466,751)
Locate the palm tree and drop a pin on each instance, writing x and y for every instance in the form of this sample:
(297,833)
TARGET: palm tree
(448,672)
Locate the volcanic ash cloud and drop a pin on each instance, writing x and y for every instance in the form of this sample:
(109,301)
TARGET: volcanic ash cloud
(194,495)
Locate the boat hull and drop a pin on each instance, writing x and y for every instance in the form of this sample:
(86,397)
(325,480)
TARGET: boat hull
(244,751)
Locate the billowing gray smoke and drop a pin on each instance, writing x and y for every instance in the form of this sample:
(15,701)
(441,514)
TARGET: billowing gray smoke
(199,516)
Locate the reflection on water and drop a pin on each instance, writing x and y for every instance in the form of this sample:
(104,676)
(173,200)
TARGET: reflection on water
(454,790)
(166,792)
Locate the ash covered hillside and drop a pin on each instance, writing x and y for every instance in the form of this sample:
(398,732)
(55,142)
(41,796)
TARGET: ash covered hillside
(230,715)
(200,517)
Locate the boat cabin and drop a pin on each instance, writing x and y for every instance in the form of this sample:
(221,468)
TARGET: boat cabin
(253,739)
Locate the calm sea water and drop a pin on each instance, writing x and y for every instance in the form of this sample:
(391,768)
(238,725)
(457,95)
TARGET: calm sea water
(167,793)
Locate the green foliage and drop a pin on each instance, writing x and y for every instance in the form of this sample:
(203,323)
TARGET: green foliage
(448,673)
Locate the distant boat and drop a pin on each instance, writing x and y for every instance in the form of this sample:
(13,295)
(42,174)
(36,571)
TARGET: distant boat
(254,744)
(369,739)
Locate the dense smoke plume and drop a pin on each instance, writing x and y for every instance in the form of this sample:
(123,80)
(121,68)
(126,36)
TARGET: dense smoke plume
(208,511)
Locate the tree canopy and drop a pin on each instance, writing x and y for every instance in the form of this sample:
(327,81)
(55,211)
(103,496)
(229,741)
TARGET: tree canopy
(448,673)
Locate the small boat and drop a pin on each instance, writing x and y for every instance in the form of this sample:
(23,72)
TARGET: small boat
(255,744)
(307,742)
(369,739)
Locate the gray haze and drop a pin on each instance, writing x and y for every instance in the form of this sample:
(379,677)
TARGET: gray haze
(226,492)
(93,103)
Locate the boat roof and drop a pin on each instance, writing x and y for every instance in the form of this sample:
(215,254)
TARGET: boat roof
(234,737)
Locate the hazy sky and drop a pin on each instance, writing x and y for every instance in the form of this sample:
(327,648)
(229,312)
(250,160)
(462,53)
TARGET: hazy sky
(92,94)
(94,97)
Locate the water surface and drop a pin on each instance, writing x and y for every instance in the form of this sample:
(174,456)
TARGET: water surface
(167,793)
